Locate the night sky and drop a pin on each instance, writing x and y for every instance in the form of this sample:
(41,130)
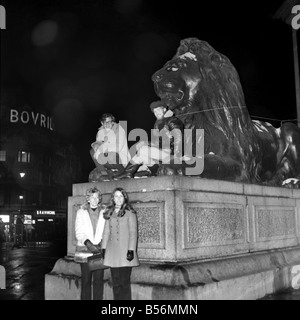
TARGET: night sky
(78,59)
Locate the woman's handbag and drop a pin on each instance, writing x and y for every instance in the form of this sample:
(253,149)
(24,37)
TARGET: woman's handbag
(95,262)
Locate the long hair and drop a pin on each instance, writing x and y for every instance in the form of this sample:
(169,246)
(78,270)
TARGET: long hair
(111,205)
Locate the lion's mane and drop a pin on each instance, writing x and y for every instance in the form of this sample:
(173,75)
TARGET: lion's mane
(216,105)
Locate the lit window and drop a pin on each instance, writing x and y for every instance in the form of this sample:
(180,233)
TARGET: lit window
(2,155)
(4,217)
(23,156)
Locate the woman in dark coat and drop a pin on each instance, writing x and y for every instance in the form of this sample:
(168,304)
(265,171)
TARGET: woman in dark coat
(119,242)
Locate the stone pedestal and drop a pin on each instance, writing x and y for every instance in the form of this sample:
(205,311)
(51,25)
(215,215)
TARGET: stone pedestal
(198,239)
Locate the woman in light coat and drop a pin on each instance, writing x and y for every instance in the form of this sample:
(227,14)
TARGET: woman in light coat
(89,225)
(119,242)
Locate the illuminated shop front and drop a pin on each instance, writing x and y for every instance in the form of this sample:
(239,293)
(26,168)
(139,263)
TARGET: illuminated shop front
(37,170)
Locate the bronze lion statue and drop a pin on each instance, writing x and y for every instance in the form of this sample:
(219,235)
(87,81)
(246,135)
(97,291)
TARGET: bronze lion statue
(203,89)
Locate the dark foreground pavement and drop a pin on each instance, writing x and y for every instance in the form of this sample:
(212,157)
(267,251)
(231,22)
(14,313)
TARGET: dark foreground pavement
(26,268)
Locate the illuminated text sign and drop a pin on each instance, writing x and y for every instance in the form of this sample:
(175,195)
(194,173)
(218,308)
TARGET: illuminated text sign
(31,117)
(44,213)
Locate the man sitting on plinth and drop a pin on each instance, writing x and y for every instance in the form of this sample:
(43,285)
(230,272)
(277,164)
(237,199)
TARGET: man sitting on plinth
(168,145)
(110,150)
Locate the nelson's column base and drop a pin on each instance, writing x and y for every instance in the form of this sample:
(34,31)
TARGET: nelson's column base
(198,239)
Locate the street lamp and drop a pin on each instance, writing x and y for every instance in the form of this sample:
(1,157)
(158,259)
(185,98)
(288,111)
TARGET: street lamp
(19,222)
(22,174)
(21,198)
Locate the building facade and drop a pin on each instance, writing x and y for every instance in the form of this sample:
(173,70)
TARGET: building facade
(37,170)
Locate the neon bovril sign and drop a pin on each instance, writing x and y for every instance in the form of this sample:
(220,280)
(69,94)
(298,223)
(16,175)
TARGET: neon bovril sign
(25,117)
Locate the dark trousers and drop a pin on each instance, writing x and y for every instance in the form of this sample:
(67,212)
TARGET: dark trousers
(111,160)
(91,279)
(121,283)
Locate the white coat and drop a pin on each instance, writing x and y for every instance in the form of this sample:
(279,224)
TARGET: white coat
(84,228)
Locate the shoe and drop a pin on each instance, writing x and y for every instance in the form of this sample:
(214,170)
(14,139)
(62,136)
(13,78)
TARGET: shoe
(128,172)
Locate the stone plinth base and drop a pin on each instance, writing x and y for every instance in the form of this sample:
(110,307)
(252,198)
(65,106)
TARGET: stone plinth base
(198,239)
(64,281)
(246,277)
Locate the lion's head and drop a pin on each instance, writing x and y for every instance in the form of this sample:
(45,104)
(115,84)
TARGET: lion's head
(200,78)
(195,67)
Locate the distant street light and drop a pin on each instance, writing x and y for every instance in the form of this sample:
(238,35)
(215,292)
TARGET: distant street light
(21,202)
(19,225)
(22,174)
